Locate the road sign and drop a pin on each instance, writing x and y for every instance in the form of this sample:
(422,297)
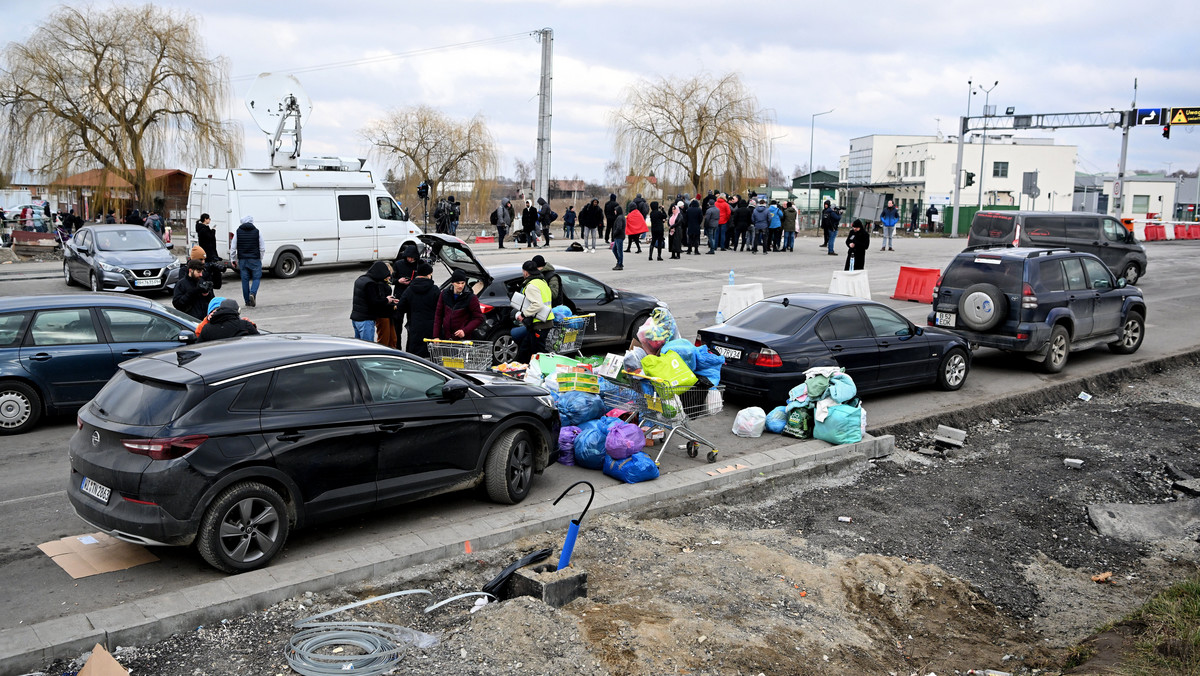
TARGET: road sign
(1184,116)
(1151,115)
(1029,184)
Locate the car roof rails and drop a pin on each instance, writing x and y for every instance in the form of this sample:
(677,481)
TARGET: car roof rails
(1046,252)
(982,247)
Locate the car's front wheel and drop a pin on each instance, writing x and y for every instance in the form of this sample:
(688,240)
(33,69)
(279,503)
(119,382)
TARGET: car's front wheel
(1057,350)
(243,528)
(94,282)
(953,369)
(1131,273)
(20,407)
(509,470)
(1133,332)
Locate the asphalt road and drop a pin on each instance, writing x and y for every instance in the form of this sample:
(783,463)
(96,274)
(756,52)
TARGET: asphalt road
(33,467)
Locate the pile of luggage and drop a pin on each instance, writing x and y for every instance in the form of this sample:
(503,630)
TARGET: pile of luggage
(825,406)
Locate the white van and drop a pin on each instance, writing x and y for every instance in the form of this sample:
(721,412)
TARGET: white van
(334,211)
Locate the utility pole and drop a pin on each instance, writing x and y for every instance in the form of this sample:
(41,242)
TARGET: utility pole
(958,170)
(1119,184)
(542,175)
(987,97)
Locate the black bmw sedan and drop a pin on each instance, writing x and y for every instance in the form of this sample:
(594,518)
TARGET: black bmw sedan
(768,346)
(229,445)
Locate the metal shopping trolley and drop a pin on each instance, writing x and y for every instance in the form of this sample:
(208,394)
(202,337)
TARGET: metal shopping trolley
(468,355)
(566,335)
(668,407)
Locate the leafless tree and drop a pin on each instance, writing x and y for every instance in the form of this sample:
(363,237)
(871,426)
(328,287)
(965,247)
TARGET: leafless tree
(121,88)
(427,144)
(614,176)
(524,171)
(699,129)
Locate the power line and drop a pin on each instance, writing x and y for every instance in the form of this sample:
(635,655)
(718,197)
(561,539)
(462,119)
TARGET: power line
(402,55)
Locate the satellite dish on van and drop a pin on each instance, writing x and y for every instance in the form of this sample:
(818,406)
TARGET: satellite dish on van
(279,106)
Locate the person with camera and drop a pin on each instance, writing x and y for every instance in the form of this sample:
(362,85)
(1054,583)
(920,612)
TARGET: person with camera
(193,291)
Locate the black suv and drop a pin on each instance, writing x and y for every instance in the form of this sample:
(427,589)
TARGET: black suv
(1041,302)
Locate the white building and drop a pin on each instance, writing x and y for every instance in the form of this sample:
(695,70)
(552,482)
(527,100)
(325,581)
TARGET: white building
(1146,196)
(920,169)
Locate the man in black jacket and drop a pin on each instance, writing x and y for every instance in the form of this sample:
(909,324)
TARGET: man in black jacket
(224,322)
(371,300)
(419,302)
(610,216)
(742,217)
(193,291)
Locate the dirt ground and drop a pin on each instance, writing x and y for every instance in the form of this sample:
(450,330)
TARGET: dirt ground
(980,560)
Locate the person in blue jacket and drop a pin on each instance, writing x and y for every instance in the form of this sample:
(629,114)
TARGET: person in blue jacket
(890,217)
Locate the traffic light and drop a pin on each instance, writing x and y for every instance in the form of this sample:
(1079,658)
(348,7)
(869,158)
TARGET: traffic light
(1166,131)
(970,179)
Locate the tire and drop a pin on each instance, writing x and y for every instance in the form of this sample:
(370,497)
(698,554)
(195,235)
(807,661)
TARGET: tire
(953,370)
(1057,349)
(1132,273)
(637,324)
(94,283)
(286,266)
(243,528)
(67,274)
(1133,332)
(504,349)
(509,470)
(20,407)
(982,307)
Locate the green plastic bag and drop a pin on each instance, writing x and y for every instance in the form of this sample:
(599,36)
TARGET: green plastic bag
(799,423)
(671,368)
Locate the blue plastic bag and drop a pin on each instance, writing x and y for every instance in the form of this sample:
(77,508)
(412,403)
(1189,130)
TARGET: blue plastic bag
(566,445)
(685,350)
(631,470)
(777,420)
(623,440)
(579,407)
(560,312)
(708,365)
(843,425)
(841,388)
(589,448)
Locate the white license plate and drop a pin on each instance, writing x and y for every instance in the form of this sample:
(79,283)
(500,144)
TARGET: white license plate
(145,282)
(729,353)
(945,319)
(96,490)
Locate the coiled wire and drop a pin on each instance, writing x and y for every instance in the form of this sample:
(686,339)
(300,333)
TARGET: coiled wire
(310,650)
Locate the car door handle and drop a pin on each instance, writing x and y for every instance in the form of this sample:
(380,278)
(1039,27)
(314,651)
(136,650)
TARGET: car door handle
(884,343)
(131,353)
(40,356)
(391,427)
(836,348)
(292,436)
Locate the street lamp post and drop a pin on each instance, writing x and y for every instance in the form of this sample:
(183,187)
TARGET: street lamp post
(811,130)
(987,96)
(771,159)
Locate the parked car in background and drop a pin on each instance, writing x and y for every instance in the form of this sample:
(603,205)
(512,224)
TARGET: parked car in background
(1044,303)
(619,312)
(232,444)
(1097,234)
(56,352)
(768,346)
(119,258)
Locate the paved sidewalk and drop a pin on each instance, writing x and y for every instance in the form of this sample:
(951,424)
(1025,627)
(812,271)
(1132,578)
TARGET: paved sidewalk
(27,648)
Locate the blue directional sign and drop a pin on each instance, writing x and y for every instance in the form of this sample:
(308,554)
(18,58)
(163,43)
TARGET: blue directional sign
(1152,115)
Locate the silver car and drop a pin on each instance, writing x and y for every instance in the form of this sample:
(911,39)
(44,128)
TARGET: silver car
(119,258)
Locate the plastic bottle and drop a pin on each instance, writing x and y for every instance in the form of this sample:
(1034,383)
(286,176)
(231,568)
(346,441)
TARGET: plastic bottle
(731,278)
(720,317)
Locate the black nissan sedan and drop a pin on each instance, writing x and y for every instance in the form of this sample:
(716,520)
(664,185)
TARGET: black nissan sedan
(768,346)
(230,445)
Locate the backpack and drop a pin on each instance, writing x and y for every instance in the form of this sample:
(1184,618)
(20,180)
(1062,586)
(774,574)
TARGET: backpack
(575,246)
(495,217)
(553,216)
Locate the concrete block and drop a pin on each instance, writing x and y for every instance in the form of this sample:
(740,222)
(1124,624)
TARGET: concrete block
(21,650)
(165,605)
(118,618)
(555,588)
(67,635)
(950,436)
(1073,463)
(1189,486)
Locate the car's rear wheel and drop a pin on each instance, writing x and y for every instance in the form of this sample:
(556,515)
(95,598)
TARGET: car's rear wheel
(1057,350)
(67,274)
(1132,273)
(20,407)
(953,369)
(1133,332)
(243,528)
(509,470)
(982,307)
(94,282)
(504,348)
(287,266)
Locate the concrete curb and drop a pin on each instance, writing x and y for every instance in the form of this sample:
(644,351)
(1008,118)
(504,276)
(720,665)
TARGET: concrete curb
(29,647)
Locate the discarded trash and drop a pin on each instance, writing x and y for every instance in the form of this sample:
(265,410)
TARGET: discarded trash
(1085,396)
(950,436)
(845,519)
(318,647)
(1073,463)
(494,585)
(479,603)
(1106,576)
(803,594)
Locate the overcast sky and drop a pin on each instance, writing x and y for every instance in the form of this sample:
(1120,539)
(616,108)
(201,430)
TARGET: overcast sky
(884,67)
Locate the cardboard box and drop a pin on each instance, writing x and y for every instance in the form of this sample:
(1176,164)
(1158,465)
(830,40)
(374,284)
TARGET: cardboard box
(102,663)
(95,553)
(578,382)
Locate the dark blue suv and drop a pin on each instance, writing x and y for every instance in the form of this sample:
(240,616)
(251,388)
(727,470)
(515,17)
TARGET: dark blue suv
(1044,303)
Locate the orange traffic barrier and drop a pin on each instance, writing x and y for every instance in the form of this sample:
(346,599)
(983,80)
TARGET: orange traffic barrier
(484,240)
(1181,231)
(916,284)
(1193,232)
(1156,233)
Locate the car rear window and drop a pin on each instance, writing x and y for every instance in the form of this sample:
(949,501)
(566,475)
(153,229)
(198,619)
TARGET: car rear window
(992,226)
(772,317)
(968,269)
(130,401)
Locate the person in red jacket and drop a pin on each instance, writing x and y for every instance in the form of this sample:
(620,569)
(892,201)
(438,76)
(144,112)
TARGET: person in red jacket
(458,312)
(723,223)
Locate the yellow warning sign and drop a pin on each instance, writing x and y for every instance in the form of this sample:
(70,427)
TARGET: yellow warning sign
(1185,116)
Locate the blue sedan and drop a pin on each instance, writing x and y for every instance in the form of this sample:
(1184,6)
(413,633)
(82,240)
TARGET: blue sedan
(768,346)
(56,352)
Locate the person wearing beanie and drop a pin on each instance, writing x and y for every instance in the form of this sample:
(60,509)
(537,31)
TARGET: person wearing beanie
(192,291)
(857,242)
(419,302)
(618,237)
(529,333)
(371,304)
(197,253)
(557,295)
(458,312)
(224,322)
(247,255)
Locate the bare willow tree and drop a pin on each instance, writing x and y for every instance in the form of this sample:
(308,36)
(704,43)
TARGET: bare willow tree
(426,143)
(121,88)
(699,130)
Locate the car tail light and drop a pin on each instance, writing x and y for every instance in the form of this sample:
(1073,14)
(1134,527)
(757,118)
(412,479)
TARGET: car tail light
(1028,300)
(698,341)
(766,357)
(78,423)
(485,308)
(165,448)
(936,288)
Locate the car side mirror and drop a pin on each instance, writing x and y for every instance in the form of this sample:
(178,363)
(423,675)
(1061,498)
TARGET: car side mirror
(1121,282)
(453,390)
(187,337)
(916,330)
(170,245)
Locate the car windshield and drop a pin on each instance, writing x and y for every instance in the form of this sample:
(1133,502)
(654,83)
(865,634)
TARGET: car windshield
(772,317)
(127,239)
(967,269)
(139,402)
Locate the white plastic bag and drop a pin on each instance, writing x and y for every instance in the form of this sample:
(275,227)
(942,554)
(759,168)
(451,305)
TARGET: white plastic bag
(750,422)
(713,402)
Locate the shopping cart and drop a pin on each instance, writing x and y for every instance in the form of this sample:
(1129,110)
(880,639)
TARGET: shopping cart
(566,335)
(670,408)
(467,355)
